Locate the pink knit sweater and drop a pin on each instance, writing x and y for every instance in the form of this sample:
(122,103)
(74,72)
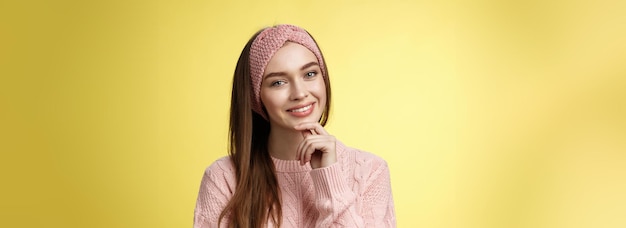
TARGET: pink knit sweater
(354,192)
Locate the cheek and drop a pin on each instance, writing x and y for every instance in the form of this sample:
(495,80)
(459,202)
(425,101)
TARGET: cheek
(265,101)
(320,91)
(270,100)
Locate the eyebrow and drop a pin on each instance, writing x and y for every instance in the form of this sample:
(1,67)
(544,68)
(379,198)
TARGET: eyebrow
(304,67)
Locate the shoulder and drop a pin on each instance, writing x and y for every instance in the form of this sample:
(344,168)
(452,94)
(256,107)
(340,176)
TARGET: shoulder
(221,164)
(221,168)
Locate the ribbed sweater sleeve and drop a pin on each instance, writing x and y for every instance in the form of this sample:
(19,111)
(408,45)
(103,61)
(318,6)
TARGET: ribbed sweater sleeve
(216,189)
(335,202)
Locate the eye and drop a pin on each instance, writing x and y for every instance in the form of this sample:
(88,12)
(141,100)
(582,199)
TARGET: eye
(310,74)
(277,83)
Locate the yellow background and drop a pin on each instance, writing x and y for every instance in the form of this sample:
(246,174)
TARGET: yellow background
(489,113)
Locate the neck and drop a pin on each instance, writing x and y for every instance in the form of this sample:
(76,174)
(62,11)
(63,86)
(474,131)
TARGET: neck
(282,143)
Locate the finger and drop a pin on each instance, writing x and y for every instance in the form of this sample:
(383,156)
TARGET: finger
(302,155)
(303,149)
(317,128)
(312,144)
(308,152)
(306,132)
(306,126)
(305,135)
(321,145)
(299,149)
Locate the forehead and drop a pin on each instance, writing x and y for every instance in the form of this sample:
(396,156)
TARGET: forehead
(290,56)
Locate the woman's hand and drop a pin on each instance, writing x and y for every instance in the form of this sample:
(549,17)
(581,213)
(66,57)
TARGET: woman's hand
(318,147)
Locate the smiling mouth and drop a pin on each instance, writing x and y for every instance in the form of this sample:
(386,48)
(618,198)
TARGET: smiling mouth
(303,109)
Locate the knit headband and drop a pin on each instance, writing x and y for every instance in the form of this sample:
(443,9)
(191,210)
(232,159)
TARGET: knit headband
(263,48)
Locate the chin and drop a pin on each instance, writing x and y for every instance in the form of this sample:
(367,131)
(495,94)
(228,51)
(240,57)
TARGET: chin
(308,119)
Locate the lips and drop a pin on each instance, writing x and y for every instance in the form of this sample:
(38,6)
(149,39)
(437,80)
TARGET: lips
(302,110)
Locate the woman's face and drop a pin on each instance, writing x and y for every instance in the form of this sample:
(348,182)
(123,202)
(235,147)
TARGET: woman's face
(293,90)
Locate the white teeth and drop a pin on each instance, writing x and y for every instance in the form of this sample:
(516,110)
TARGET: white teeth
(303,109)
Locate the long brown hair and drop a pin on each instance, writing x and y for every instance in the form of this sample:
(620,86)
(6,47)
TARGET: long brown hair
(257,196)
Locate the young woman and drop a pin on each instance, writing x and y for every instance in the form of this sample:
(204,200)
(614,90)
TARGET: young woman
(284,168)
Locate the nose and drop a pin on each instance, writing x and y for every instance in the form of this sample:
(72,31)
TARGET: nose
(298,91)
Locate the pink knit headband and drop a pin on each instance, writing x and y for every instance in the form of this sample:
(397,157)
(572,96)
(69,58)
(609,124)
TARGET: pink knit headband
(263,48)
